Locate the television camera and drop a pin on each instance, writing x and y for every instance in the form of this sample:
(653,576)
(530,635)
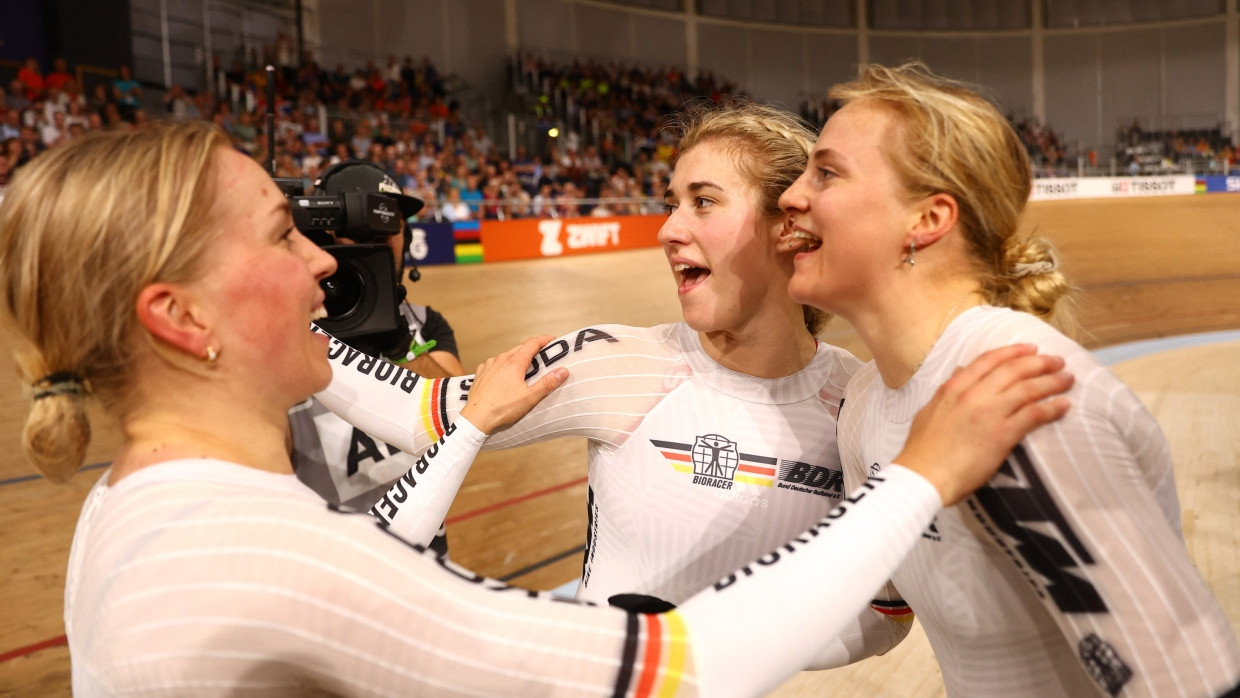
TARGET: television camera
(358,202)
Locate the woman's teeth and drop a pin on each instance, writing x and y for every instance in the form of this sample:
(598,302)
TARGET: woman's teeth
(804,241)
(689,273)
(318,314)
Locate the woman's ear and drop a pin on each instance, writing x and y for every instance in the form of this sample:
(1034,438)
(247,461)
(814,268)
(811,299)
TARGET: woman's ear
(936,214)
(166,312)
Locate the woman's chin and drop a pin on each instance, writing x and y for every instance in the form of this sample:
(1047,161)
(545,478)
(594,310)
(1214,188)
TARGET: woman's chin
(321,377)
(801,288)
(699,321)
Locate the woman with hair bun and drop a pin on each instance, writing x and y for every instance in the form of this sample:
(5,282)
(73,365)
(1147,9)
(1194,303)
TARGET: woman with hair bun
(1067,574)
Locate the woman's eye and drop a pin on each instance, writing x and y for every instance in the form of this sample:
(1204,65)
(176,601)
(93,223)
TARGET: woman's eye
(668,209)
(704,202)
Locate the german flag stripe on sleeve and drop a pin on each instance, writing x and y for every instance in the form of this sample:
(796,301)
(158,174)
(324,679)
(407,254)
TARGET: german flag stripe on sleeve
(661,642)
(895,609)
(677,649)
(434,393)
(650,659)
(441,406)
(632,637)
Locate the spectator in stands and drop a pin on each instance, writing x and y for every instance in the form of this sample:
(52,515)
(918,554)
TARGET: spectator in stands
(12,152)
(543,205)
(427,157)
(424,190)
(361,137)
(31,77)
(517,201)
(313,136)
(567,205)
(77,115)
(11,126)
(471,193)
(337,134)
(244,130)
(99,98)
(604,208)
(177,103)
(31,144)
(126,91)
(17,98)
(55,130)
(404,178)
(64,97)
(340,153)
(60,75)
(453,209)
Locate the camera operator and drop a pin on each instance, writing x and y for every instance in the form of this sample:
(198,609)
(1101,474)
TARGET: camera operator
(424,341)
(341,463)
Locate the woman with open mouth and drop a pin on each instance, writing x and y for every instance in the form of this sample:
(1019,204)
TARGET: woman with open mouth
(1067,574)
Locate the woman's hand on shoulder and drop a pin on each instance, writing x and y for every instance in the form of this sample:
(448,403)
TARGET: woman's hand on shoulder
(960,438)
(499,395)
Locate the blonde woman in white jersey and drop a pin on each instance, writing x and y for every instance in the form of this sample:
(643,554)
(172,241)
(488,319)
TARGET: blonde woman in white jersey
(712,440)
(1067,574)
(201,566)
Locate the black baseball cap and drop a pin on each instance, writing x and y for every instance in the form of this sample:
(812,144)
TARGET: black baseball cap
(365,175)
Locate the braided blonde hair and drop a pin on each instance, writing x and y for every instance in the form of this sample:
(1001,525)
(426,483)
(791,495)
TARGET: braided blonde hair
(773,148)
(133,208)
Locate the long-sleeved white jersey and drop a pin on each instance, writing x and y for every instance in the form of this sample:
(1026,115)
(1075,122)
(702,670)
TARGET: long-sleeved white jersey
(207,578)
(361,468)
(1067,574)
(694,469)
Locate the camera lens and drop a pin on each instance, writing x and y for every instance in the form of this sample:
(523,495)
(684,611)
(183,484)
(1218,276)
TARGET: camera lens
(344,290)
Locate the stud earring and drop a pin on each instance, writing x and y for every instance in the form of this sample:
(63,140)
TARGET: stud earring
(212,354)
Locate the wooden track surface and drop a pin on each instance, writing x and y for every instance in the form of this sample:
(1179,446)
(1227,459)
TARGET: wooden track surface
(1146,267)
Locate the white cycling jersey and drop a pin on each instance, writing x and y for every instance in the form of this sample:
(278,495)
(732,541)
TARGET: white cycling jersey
(208,578)
(1067,574)
(694,469)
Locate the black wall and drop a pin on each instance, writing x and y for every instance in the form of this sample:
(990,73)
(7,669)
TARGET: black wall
(82,31)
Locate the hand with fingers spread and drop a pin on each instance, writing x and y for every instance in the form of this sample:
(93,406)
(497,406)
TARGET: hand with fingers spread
(499,395)
(962,436)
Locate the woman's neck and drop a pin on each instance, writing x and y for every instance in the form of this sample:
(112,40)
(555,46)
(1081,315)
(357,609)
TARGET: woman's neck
(770,347)
(238,436)
(902,328)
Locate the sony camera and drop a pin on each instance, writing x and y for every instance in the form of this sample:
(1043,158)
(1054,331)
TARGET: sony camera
(357,201)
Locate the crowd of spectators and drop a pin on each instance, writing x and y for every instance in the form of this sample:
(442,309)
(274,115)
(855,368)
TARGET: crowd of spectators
(400,116)
(612,155)
(1151,151)
(1044,147)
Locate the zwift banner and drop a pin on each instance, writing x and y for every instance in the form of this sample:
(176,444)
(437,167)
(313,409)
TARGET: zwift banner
(556,237)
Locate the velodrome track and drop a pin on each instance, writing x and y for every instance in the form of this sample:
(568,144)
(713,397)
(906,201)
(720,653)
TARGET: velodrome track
(1146,267)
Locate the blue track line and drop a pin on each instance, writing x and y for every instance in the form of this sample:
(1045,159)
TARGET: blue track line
(28,478)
